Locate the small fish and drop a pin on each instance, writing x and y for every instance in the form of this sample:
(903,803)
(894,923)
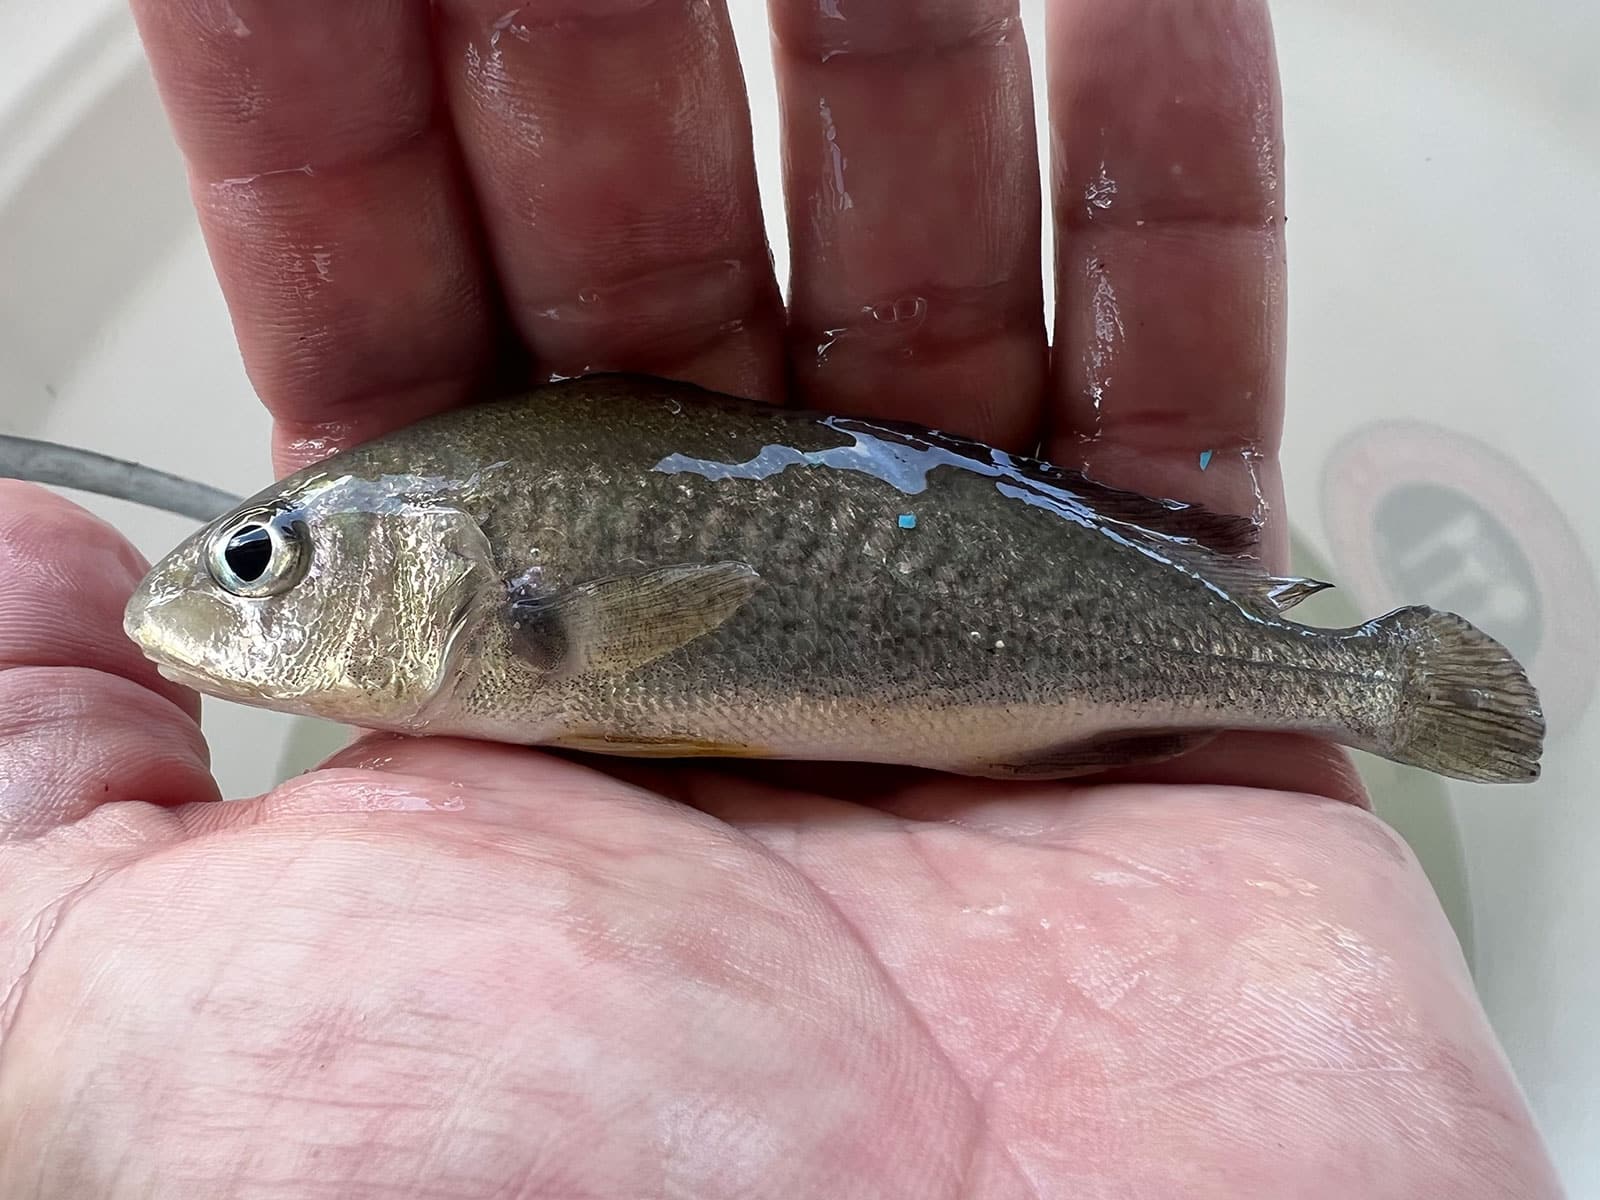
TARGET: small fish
(638,567)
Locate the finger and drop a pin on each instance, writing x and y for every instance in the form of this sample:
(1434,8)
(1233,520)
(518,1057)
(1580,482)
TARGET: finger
(610,143)
(84,720)
(65,577)
(913,184)
(1169,364)
(72,739)
(324,173)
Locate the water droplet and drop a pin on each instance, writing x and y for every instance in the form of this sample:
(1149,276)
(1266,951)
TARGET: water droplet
(905,308)
(506,23)
(840,199)
(830,338)
(1252,460)
(236,25)
(1101,192)
(885,320)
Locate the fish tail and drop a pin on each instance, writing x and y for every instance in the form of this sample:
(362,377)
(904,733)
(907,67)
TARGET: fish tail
(1466,708)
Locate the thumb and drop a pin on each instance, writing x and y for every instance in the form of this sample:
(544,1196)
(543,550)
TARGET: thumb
(84,718)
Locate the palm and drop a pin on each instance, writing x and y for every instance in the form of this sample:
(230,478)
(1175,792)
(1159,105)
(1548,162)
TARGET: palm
(443,969)
(469,964)
(596,990)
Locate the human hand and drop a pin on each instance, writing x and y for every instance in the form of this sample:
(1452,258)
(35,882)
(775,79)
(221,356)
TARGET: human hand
(440,969)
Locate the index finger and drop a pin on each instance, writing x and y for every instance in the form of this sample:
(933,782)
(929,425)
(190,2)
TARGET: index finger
(324,174)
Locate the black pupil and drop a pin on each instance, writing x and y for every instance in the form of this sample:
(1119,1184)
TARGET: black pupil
(249,553)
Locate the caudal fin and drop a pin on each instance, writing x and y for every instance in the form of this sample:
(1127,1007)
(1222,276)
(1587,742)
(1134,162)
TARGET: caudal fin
(1469,710)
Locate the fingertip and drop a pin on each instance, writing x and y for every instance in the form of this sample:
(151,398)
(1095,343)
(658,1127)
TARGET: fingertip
(65,577)
(30,505)
(74,739)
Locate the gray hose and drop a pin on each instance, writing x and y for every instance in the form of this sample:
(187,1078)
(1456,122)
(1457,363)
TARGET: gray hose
(86,471)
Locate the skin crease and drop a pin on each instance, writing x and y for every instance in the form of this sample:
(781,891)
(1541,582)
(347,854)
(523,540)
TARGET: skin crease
(452,970)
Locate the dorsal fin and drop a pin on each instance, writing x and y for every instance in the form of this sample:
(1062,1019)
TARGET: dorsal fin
(1218,548)
(1225,534)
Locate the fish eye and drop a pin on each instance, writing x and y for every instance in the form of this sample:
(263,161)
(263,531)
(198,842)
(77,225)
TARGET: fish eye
(260,554)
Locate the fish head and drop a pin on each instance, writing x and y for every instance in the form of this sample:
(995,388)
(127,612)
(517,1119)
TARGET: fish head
(334,598)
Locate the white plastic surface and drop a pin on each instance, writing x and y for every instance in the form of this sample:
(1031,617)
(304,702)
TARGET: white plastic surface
(1443,189)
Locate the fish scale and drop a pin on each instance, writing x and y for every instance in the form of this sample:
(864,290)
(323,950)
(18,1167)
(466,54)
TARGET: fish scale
(846,610)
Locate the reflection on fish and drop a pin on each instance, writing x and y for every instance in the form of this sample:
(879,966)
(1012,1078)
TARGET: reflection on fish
(642,567)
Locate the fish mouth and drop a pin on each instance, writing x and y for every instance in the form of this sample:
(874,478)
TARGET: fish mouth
(170,661)
(155,642)
(185,678)
(141,633)
(138,627)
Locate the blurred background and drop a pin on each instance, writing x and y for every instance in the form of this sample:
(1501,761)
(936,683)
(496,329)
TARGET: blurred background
(1444,424)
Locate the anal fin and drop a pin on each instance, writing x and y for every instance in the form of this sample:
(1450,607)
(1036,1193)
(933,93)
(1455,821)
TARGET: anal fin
(640,746)
(1099,754)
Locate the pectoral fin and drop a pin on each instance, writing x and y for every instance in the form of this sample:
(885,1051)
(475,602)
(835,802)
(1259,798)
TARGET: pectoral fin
(621,622)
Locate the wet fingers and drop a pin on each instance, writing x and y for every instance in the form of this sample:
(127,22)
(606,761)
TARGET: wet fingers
(1169,350)
(325,178)
(72,739)
(611,149)
(912,177)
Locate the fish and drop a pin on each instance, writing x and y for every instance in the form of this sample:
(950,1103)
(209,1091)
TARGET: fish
(632,566)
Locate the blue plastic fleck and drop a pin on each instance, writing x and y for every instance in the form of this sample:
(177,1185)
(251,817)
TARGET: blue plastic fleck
(908,520)
(1205,458)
